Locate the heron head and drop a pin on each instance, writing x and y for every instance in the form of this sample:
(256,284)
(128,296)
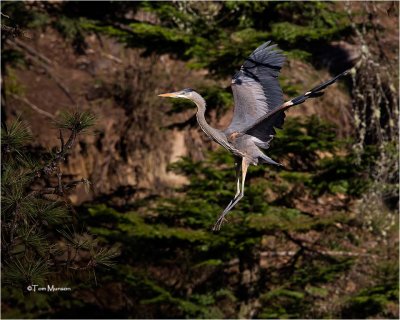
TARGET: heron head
(185,93)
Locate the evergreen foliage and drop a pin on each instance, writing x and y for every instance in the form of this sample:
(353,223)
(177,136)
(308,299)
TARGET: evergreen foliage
(190,30)
(37,243)
(175,232)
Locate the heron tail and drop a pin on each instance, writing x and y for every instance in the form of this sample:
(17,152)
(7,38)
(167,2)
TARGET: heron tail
(266,159)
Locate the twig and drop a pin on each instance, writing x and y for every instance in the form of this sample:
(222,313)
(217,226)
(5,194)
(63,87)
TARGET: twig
(111,57)
(60,186)
(310,247)
(60,190)
(62,141)
(325,252)
(34,107)
(91,264)
(14,224)
(73,184)
(60,156)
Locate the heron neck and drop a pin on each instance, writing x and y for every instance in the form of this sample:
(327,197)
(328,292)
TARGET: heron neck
(200,115)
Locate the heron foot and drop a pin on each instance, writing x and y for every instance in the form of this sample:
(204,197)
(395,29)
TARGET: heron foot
(220,221)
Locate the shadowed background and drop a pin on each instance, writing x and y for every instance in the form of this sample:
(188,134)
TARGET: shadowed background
(316,239)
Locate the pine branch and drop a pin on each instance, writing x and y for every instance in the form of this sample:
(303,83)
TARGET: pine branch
(61,189)
(14,137)
(60,155)
(77,122)
(28,249)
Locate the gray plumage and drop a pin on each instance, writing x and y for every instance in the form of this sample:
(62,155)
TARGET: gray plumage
(259,109)
(256,90)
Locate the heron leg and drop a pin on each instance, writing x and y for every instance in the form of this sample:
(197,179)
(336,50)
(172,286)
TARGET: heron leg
(236,199)
(239,195)
(238,169)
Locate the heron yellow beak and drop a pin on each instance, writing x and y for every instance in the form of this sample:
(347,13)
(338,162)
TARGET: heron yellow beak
(171,95)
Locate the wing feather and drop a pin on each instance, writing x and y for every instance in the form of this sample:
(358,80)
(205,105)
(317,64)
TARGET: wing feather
(257,92)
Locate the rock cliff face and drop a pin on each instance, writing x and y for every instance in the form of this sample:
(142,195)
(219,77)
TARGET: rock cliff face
(131,147)
(128,155)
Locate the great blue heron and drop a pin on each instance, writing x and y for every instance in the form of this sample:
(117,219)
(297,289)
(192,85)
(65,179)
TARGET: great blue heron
(258,109)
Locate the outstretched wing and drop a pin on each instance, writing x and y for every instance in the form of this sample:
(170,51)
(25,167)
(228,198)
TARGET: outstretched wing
(269,119)
(256,92)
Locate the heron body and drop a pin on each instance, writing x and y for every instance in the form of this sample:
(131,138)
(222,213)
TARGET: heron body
(259,109)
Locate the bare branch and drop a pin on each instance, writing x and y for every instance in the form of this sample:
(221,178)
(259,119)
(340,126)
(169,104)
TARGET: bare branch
(32,51)
(60,190)
(111,57)
(34,107)
(62,141)
(60,156)
(60,186)
(323,252)
(36,59)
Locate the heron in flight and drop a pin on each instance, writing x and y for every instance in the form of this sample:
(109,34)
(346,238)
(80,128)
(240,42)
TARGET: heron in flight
(259,108)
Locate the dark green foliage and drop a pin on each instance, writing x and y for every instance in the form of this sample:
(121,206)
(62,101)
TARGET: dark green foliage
(18,13)
(77,121)
(14,137)
(191,31)
(51,212)
(373,301)
(305,140)
(13,57)
(33,253)
(179,227)
(21,274)
(71,30)
(177,233)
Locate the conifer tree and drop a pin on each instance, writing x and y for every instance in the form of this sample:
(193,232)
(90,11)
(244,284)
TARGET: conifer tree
(39,239)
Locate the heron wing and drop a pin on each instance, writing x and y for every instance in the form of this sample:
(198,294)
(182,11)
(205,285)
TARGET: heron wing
(256,92)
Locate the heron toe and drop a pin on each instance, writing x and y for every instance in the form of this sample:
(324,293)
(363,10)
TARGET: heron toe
(218,224)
